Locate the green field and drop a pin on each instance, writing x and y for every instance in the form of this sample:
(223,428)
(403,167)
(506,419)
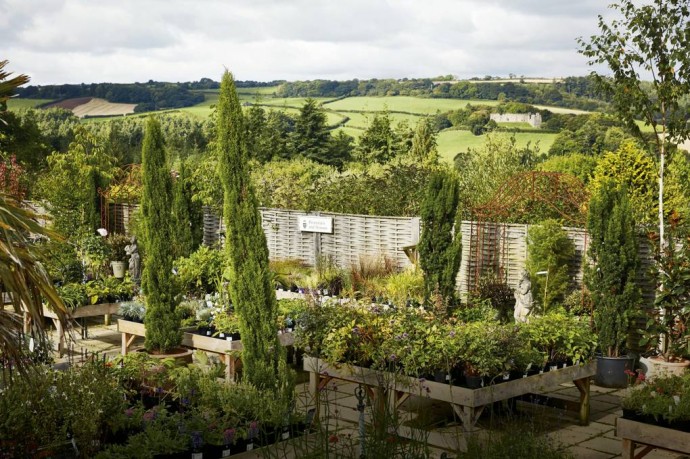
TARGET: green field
(20,104)
(452,142)
(417,105)
(265,91)
(362,120)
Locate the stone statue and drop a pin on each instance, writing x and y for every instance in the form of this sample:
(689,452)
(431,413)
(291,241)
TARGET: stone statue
(134,260)
(523,298)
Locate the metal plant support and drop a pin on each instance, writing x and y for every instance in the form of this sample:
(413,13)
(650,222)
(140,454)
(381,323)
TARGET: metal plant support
(360,394)
(525,195)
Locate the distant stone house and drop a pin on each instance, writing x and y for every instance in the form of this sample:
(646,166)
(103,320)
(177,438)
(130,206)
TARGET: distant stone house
(534,119)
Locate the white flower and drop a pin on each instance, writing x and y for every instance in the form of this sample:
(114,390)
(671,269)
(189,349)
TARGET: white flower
(676,398)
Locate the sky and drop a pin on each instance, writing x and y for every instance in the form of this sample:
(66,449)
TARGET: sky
(124,41)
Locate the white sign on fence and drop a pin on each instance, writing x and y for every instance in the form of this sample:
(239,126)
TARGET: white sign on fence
(315,224)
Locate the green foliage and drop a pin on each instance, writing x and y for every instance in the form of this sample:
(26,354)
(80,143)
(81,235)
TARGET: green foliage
(405,287)
(517,441)
(548,250)
(200,272)
(667,324)
(163,324)
(611,278)
(86,167)
(85,401)
(665,399)
(251,287)
(576,164)
(380,142)
(483,171)
(440,244)
(311,136)
(591,135)
(396,189)
(117,244)
(560,336)
(289,184)
(496,290)
(646,39)
(424,144)
(181,219)
(631,167)
(108,290)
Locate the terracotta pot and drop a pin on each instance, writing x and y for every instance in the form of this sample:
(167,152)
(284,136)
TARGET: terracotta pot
(657,366)
(180,354)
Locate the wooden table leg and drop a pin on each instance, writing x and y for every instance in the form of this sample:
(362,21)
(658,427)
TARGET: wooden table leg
(61,337)
(583,387)
(468,415)
(106,320)
(628,449)
(127,340)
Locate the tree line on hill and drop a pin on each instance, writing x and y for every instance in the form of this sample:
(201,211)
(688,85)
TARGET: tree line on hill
(572,92)
(149,96)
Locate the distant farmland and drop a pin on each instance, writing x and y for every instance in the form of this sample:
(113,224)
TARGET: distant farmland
(91,106)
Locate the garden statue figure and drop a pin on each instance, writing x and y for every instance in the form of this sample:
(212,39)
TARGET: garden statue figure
(134,260)
(523,298)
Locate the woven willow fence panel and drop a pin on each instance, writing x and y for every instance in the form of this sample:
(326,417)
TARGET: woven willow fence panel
(502,246)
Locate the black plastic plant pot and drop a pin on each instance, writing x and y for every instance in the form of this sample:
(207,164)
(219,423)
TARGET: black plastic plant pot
(611,371)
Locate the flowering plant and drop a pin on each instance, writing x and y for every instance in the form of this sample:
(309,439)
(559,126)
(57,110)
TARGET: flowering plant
(666,399)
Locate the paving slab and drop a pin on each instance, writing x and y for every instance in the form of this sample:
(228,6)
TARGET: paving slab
(567,437)
(580,452)
(603,444)
(595,428)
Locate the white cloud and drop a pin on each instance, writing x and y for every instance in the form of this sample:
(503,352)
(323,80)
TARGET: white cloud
(59,41)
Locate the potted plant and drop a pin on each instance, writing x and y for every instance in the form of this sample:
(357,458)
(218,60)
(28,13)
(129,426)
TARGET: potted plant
(118,254)
(611,279)
(668,325)
(226,325)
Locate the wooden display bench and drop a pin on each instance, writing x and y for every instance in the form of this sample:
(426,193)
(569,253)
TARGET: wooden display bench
(229,350)
(468,404)
(649,437)
(92,310)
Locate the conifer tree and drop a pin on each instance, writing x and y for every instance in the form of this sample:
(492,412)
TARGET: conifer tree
(440,243)
(162,323)
(181,223)
(251,289)
(611,277)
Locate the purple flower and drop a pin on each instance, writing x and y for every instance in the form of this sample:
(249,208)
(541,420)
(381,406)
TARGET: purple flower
(150,415)
(229,436)
(159,390)
(185,401)
(129,412)
(197,441)
(392,357)
(253,430)
(405,335)
(452,334)
(355,330)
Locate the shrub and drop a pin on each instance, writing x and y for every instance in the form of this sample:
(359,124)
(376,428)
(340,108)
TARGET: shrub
(201,272)
(548,251)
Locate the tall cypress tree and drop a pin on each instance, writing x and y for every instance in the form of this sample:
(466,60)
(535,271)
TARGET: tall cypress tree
(251,290)
(181,223)
(440,243)
(162,323)
(611,276)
